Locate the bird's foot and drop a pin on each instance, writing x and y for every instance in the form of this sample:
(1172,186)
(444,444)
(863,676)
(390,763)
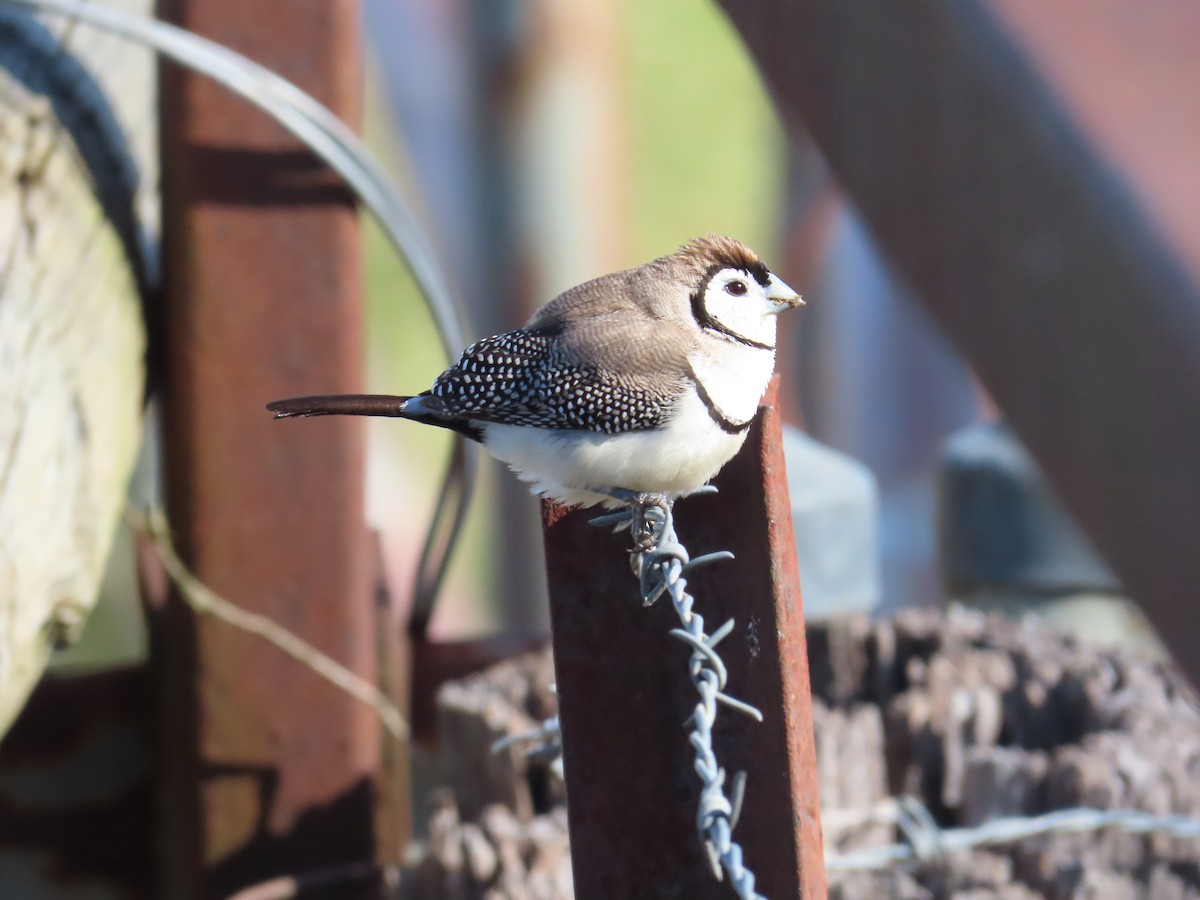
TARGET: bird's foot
(643,513)
(647,512)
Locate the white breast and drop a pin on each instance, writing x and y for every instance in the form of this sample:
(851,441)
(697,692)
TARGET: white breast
(568,466)
(734,376)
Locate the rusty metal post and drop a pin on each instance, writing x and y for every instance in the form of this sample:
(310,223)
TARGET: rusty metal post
(624,693)
(268,769)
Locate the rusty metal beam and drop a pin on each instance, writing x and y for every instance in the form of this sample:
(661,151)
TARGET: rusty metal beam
(1029,168)
(268,769)
(624,693)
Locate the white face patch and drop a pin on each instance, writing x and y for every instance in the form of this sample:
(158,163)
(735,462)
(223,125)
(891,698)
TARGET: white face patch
(738,307)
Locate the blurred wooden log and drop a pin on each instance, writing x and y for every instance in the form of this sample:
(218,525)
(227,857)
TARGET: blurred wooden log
(977,717)
(71,337)
(510,698)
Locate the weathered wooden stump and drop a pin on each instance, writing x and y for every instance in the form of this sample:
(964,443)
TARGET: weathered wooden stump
(71,333)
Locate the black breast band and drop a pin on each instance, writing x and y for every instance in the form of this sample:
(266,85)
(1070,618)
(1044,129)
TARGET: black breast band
(726,424)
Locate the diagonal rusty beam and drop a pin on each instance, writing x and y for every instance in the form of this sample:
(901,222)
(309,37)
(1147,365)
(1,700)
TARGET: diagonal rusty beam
(1029,168)
(625,695)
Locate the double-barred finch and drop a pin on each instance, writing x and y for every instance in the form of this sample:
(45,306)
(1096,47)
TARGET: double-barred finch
(642,382)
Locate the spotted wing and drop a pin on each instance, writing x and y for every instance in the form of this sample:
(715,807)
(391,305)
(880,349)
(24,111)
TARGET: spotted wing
(527,378)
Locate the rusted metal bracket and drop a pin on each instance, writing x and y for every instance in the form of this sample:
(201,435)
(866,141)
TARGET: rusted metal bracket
(625,696)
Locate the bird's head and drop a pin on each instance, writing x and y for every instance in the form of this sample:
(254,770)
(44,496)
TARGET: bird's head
(731,290)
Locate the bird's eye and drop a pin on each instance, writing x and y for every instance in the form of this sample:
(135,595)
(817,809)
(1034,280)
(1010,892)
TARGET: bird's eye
(736,288)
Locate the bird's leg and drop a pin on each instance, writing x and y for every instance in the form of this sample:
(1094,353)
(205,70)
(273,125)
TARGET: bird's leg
(644,527)
(642,522)
(634,498)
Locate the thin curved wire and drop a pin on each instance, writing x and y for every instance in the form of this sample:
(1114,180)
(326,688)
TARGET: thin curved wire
(330,139)
(925,842)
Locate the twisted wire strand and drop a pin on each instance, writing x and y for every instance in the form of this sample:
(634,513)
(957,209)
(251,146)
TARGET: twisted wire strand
(545,744)
(661,565)
(925,842)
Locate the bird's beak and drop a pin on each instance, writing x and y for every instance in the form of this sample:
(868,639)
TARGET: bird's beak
(782,296)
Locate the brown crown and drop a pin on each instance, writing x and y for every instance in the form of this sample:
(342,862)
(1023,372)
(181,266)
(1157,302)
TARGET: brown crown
(717,251)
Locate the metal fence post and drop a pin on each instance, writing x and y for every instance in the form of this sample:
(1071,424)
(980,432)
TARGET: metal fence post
(268,768)
(625,695)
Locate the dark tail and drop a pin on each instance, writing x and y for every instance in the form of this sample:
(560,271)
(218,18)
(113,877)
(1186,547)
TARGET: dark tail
(340,405)
(427,410)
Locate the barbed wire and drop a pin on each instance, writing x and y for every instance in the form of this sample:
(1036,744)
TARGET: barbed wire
(545,740)
(925,842)
(660,562)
